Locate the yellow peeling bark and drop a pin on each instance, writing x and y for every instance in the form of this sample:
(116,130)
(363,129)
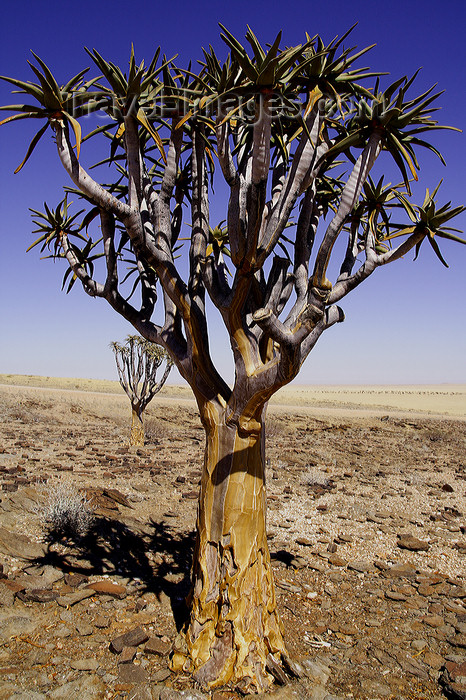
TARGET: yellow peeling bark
(233,625)
(137,429)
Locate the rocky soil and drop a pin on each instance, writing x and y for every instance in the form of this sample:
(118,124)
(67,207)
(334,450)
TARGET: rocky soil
(367,520)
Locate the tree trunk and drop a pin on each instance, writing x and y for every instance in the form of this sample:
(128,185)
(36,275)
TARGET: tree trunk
(233,628)
(137,427)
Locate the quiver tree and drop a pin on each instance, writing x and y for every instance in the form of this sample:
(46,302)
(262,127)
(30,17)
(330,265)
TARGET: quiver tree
(138,361)
(296,133)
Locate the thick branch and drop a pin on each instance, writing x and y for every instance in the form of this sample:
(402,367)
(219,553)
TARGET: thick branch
(303,169)
(349,197)
(82,179)
(346,285)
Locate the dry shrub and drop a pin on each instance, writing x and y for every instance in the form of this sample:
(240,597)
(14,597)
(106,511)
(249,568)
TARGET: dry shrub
(317,478)
(66,513)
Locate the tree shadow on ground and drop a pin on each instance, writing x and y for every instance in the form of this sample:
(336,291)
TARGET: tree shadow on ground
(158,559)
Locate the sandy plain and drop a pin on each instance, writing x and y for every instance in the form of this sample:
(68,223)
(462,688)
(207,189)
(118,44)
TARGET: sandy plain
(448,400)
(350,471)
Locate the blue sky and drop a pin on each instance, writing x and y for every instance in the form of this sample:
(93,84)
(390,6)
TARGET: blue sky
(404,325)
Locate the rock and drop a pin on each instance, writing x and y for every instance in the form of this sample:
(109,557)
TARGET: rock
(172,694)
(459,640)
(127,655)
(85,664)
(15,625)
(316,671)
(102,621)
(70,599)
(433,660)
(419,644)
(360,566)
(19,546)
(85,688)
(75,580)
(108,588)
(433,620)
(38,595)
(336,560)
(132,638)
(401,571)
(7,596)
(84,628)
(118,497)
(453,680)
(157,646)
(412,543)
(304,542)
(129,673)
(395,595)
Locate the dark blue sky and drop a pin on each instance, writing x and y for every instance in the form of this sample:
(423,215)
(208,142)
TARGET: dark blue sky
(406,325)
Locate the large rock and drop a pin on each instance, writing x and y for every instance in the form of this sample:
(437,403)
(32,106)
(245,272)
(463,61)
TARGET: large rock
(19,546)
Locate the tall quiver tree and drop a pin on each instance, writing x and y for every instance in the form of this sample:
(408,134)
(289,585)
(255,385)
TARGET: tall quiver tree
(138,362)
(296,136)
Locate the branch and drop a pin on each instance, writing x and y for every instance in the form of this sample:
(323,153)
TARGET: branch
(305,236)
(107,223)
(134,163)
(332,315)
(304,168)
(82,179)
(344,286)
(91,287)
(349,197)
(222,131)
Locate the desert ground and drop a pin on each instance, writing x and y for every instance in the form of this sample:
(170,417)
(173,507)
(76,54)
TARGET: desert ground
(366,524)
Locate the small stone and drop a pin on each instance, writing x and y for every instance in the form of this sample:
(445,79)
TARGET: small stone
(38,595)
(16,625)
(84,688)
(433,620)
(85,664)
(316,566)
(75,580)
(402,571)
(304,542)
(127,655)
(336,560)
(20,546)
(412,543)
(130,673)
(70,599)
(102,622)
(395,595)
(132,638)
(433,660)
(459,640)
(157,646)
(7,597)
(161,675)
(361,567)
(419,644)
(316,671)
(108,588)
(84,628)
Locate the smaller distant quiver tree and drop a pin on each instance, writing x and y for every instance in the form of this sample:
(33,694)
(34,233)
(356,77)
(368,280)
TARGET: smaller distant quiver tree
(138,361)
